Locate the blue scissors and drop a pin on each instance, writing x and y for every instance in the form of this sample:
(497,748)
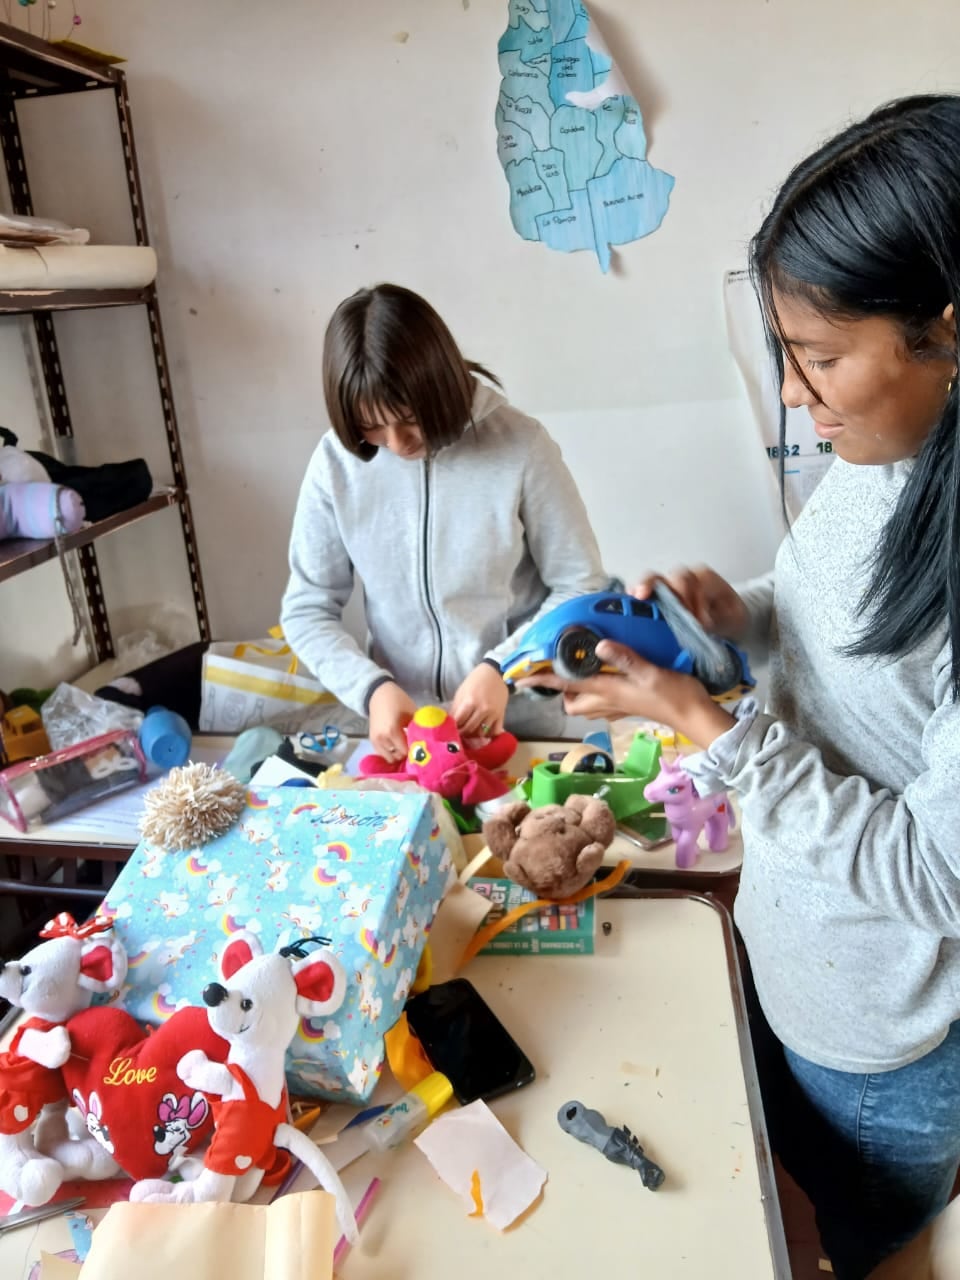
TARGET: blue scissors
(326,741)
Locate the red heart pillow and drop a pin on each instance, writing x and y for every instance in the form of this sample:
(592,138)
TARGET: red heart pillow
(126,1085)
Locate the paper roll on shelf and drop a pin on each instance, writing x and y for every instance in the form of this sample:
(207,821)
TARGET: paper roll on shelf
(77,266)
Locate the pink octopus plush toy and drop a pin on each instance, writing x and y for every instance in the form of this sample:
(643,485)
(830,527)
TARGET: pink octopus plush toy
(439,760)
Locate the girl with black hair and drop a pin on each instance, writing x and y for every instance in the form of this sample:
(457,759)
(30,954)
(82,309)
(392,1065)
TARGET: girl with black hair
(849,784)
(455,510)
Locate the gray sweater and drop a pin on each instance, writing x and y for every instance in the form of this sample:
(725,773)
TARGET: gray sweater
(849,900)
(456,554)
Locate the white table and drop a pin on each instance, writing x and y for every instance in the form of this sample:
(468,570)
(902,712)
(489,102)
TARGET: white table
(108,831)
(651,1032)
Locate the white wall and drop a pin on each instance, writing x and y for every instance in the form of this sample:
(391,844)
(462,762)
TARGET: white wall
(294,151)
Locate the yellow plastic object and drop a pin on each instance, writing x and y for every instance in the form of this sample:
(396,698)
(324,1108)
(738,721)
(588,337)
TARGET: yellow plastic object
(670,738)
(308,1119)
(408,1062)
(435,1091)
(332,778)
(23,735)
(424,971)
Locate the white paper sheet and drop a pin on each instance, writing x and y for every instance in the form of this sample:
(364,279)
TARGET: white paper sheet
(274,772)
(472,1141)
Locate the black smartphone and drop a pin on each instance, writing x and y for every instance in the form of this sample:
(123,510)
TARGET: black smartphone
(467,1042)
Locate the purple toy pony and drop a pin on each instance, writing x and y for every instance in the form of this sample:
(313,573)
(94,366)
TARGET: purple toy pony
(688,813)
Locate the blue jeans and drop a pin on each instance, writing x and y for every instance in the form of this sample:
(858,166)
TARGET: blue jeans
(877,1154)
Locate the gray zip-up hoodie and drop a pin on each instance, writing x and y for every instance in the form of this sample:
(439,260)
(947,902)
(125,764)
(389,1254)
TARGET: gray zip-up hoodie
(456,554)
(849,898)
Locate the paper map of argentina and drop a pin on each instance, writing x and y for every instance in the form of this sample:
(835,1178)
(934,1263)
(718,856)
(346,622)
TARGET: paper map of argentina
(570,136)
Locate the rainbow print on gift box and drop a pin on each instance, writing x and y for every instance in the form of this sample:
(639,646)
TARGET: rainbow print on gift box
(365,869)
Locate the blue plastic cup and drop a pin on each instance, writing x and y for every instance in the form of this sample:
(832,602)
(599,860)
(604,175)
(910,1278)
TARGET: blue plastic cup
(165,738)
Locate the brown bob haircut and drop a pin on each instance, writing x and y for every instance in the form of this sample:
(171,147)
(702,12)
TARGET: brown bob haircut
(386,348)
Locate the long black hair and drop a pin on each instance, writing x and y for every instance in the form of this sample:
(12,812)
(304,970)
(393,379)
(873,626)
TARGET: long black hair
(869,225)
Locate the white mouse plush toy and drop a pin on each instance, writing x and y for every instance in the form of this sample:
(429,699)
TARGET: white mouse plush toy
(51,983)
(256,1008)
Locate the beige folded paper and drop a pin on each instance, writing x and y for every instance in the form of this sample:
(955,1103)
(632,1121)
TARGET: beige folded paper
(460,915)
(291,1239)
(53,1267)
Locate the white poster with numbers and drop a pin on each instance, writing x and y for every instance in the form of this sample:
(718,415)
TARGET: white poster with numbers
(806,457)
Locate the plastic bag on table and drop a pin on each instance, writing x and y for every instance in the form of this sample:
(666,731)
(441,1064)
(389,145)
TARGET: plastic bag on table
(71,716)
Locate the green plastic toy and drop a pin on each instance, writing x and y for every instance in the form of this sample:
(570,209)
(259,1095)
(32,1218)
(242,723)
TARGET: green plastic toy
(622,789)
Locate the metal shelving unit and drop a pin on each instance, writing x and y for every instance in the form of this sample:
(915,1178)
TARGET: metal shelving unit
(19,302)
(47,876)
(29,68)
(19,554)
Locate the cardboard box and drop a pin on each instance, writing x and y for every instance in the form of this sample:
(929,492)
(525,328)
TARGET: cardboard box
(366,869)
(559,929)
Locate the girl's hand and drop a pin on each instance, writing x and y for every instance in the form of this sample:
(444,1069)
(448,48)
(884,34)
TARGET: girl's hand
(710,598)
(389,712)
(480,703)
(641,689)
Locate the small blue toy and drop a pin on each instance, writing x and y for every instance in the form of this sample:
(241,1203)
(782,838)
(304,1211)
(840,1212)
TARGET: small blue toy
(660,629)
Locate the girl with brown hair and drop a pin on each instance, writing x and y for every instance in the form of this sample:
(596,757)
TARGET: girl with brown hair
(456,512)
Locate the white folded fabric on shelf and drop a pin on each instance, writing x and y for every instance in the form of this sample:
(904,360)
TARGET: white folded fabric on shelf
(15,229)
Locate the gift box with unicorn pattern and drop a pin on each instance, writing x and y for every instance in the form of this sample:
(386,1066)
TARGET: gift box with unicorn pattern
(364,869)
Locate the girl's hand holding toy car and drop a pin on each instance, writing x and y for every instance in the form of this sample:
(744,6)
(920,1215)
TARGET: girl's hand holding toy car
(641,689)
(666,659)
(710,598)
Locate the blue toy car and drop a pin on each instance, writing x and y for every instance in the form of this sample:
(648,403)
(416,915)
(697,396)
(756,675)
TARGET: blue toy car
(659,629)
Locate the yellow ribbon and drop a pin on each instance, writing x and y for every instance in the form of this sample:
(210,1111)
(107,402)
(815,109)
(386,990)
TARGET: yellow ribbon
(490,931)
(277,634)
(408,1062)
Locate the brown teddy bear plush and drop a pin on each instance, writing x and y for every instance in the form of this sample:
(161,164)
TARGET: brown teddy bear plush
(553,851)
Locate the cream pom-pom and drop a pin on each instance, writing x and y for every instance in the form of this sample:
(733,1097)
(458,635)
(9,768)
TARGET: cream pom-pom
(192,805)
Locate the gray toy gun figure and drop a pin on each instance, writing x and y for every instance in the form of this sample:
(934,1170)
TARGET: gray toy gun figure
(618,1145)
